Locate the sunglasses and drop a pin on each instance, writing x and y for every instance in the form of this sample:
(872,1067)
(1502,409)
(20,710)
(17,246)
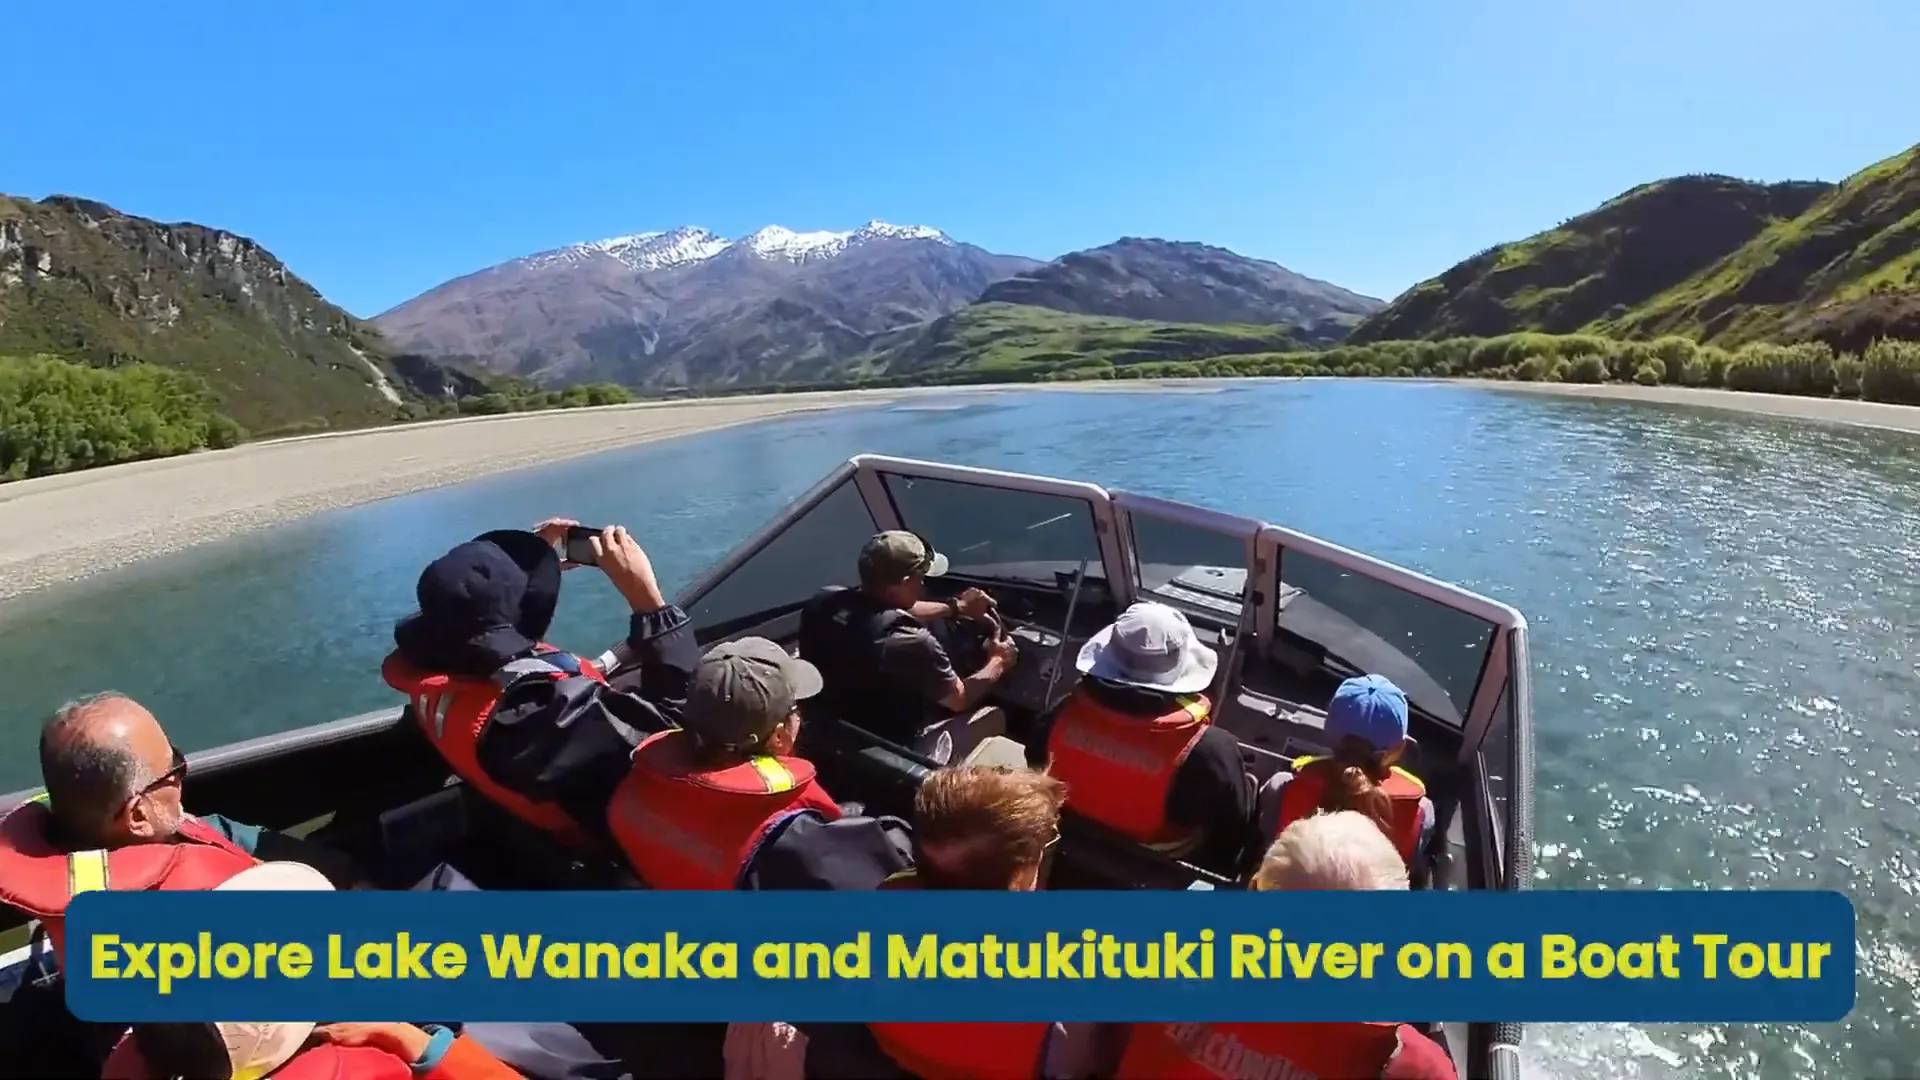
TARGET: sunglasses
(174,775)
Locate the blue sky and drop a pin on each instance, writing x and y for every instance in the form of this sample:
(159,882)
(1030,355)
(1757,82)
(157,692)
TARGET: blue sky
(383,148)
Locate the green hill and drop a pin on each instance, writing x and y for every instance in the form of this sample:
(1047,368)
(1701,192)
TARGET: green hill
(1708,257)
(1024,343)
(86,283)
(1845,271)
(1604,262)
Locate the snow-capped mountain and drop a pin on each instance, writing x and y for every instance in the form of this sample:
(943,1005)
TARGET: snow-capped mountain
(649,251)
(639,252)
(687,306)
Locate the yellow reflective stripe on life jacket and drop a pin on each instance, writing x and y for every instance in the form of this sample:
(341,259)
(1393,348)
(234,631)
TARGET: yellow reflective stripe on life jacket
(777,778)
(1196,707)
(86,872)
(1410,778)
(1302,762)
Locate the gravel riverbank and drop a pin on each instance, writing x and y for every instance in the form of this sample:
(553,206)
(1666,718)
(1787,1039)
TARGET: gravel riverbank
(59,528)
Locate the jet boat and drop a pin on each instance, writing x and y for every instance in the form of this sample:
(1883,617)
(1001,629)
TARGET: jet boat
(1290,615)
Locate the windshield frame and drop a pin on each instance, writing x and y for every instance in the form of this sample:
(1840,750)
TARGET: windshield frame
(1477,712)
(757,541)
(1111,514)
(1129,506)
(1511,825)
(873,471)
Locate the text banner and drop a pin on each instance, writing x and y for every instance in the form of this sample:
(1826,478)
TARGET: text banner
(1730,957)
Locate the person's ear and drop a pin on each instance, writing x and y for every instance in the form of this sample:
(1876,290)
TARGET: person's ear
(138,815)
(784,737)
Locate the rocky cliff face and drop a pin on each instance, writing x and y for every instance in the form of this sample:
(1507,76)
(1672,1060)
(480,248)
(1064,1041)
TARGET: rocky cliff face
(85,282)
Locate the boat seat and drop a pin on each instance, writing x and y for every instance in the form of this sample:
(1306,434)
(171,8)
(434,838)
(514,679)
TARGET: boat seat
(854,764)
(503,852)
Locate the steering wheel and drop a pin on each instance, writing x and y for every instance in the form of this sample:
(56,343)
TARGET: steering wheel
(966,640)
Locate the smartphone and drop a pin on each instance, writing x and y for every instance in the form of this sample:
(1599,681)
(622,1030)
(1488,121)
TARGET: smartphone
(579,545)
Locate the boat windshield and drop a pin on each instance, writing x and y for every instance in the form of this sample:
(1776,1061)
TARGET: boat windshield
(1367,625)
(1199,570)
(1497,765)
(820,546)
(998,533)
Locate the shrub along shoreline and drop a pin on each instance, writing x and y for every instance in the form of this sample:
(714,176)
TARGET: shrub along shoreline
(57,416)
(1888,371)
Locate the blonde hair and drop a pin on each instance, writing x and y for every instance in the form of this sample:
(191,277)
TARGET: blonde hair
(976,828)
(1343,850)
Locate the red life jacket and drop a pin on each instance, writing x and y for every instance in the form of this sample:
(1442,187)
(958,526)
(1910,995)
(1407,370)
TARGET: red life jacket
(978,1051)
(1120,767)
(1301,798)
(325,1061)
(1276,1051)
(40,879)
(684,827)
(453,710)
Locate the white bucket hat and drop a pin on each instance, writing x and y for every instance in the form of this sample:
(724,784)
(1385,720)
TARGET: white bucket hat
(255,1050)
(1151,646)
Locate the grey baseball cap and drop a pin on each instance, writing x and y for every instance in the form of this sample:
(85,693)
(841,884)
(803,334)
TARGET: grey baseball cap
(745,689)
(898,555)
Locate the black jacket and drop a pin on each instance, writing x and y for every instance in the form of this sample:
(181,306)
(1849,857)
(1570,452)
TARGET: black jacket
(569,741)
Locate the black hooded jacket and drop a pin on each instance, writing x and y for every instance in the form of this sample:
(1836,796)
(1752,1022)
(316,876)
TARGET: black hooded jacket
(566,741)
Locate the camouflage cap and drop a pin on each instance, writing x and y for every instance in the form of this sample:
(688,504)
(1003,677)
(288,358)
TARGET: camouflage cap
(898,555)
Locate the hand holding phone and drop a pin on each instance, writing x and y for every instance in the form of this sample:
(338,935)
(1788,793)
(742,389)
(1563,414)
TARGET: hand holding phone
(581,546)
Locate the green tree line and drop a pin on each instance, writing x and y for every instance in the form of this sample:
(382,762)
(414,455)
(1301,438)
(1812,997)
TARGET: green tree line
(512,396)
(56,416)
(521,397)
(1887,370)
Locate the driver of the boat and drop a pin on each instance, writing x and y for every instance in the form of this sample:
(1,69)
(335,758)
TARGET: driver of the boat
(1367,728)
(1326,852)
(1135,741)
(697,801)
(113,817)
(536,730)
(885,671)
